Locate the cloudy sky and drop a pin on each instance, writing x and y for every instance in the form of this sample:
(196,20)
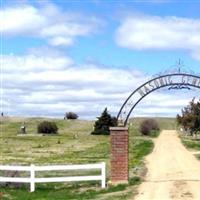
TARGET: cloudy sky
(83,56)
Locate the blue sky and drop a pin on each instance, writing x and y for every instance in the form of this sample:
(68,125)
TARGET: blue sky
(66,55)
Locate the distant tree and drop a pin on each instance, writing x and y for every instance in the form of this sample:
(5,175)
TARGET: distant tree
(71,115)
(101,126)
(190,117)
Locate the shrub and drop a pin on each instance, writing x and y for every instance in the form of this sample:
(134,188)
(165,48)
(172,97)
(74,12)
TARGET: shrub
(101,126)
(71,115)
(148,125)
(47,127)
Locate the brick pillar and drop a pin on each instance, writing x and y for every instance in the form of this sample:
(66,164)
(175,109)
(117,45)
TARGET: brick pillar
(119,154)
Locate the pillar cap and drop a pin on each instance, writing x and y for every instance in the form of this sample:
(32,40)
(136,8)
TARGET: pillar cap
(119,128)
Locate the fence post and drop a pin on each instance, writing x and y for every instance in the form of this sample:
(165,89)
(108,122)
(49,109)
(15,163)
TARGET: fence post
(103,175)
(32,181)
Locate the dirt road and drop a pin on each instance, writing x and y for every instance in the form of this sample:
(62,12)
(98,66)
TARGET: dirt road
(173,172)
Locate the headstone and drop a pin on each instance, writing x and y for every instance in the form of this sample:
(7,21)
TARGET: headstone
(23,128)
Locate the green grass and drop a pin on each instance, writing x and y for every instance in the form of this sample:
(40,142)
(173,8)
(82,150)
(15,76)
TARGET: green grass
(191,144)
(76,191)
(65,192)
(73,145)
(138,150)
(154,133)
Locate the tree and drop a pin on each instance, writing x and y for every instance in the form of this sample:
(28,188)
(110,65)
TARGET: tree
(71,115)
(190,117)
(101,126)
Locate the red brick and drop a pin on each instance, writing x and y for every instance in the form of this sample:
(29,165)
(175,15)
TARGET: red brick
(119,154)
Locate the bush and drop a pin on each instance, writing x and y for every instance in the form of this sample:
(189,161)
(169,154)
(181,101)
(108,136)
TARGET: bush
(148,126)
(71,115)
(47,127)
(101,126)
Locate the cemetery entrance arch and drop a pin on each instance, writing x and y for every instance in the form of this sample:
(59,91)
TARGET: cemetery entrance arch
(119,134)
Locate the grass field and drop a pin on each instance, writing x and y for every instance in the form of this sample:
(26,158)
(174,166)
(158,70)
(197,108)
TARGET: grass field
(73,144)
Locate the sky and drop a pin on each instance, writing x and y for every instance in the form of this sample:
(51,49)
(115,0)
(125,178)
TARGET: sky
(82,56)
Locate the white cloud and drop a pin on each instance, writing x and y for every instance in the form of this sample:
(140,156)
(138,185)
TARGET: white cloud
(30,81)
(46,82)
(57,27)
(160,33)
(32,63)
(21,20)
(47,86)
(165,103)
(60,41)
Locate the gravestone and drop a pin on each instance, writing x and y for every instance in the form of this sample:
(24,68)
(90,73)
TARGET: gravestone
(23,128)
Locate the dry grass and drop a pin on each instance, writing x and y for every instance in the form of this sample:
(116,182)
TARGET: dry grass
(73,144)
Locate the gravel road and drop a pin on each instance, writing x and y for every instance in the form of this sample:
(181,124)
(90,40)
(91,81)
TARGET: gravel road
(173,171)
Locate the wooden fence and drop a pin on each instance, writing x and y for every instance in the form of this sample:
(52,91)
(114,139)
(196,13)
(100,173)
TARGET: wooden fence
(32,169)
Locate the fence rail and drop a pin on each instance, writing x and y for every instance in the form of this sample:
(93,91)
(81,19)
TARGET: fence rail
(32,169)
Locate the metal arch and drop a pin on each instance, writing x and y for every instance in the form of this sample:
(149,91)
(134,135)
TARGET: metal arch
(148,94)
(157,88)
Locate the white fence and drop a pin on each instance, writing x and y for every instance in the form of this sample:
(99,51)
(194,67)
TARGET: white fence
(32,169)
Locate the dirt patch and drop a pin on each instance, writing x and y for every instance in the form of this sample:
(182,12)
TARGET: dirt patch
(180,191)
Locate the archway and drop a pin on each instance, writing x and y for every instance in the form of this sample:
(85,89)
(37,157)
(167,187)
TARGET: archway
(119,134)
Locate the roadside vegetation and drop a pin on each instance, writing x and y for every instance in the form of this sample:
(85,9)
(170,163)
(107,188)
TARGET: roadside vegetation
(191,143)
(73,145)
(189,126)
(189,120)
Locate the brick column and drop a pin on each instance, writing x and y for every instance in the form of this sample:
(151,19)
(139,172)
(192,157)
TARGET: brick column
(119,154)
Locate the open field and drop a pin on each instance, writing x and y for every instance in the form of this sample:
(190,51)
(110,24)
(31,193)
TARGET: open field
(73,144)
